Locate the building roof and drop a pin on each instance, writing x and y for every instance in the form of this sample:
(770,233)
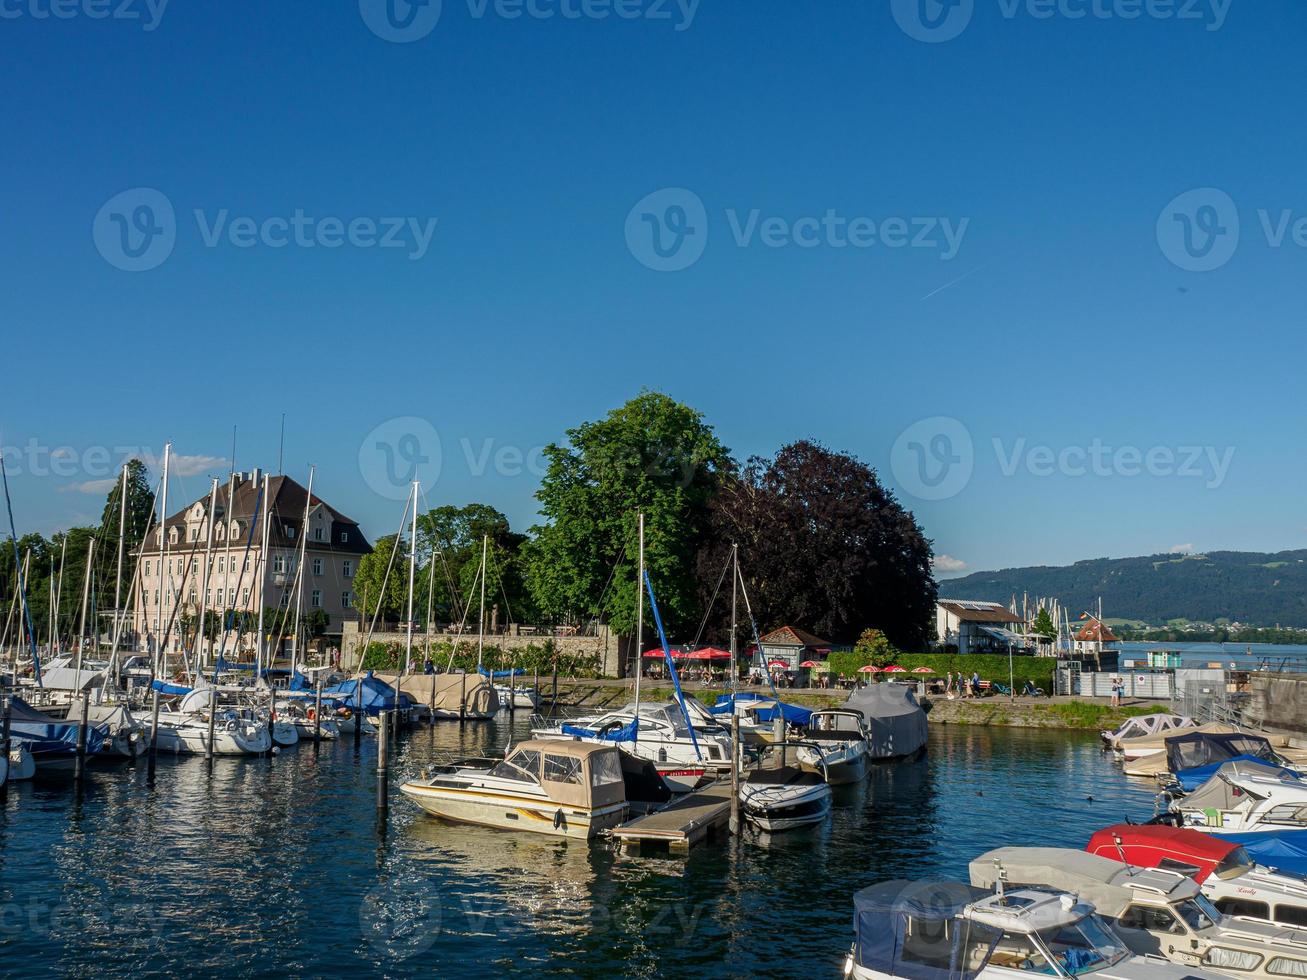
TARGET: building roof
(1096,632)
(973,611)
(285,509)
(790,636)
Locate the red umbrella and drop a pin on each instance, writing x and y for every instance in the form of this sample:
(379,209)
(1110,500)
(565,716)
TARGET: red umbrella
(869,669)
(895,669)
(709,653)
(923,670)
(658,653)
(779,664)
(810,664)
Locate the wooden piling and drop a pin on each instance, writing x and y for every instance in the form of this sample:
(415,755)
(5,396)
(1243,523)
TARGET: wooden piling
(317,711)
(154,731)
(80,769)
(462,699)
(383,760)
(735,774)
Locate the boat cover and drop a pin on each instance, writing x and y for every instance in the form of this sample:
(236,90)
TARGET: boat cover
(1285,851)
(765,710)
(448,693)
(921,919)
(895,722)
(1191,779)
(377,695)
(626,733)
(39,733)
(163,687)
(498,674)
(1204,748)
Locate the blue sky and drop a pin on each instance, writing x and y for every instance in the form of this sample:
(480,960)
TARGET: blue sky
(1049,313)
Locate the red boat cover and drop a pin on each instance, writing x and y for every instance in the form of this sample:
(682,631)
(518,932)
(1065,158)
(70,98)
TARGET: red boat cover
(1150,846)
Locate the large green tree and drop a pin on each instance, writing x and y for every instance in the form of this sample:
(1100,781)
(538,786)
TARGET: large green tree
(823,547)
(653,455)
(449,547)
(370,576)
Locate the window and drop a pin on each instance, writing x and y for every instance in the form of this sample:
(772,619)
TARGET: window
(1242,906)
(1184,867)
(191,596)
(285,600)
(346,598)
(290,532)
(245,567)
(1291,915)
(195,534)
(279,563)
(1150,919)
(523,765)
(208,597)
(317,534)
(195,564)
(563,769)
(1285,966)
(344,537)
(147,568)
(245,597)
(222,564)
(317,566)
(317,599)
(1231,959)
(156,602)
(221,532)
(220,596)
(347,569)
(605,768)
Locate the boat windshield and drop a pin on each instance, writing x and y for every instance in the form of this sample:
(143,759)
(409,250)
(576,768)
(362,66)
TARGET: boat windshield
(1083,946)
(523,765)
(1198,913)
(1237,862)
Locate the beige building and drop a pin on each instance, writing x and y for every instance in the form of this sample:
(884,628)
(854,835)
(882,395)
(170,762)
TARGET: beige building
(240,580)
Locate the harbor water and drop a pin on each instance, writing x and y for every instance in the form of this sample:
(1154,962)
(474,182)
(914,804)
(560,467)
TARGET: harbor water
(280,867)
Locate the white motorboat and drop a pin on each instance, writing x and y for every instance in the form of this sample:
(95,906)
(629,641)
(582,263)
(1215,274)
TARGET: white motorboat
(836,746)
(941,930)
(563,788)
(783,798)
(518,697)
(347,721)
(21,764)
(1154,726)
(301,715)
(1141,746)
(1244,797)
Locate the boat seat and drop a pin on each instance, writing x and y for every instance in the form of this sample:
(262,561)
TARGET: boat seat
(786,776)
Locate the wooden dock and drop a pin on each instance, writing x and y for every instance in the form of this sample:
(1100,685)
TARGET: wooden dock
(684,822)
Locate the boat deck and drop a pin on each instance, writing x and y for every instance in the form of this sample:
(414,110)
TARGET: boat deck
(685,822)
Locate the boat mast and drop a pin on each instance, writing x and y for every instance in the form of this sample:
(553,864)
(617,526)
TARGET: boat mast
(481,631)
(299,577)
(229,595)
(639,617)
(412,573)
(56,646)
(159,658)
(86,602)
(118,575)
(735,590)
(204,587)
(262,563)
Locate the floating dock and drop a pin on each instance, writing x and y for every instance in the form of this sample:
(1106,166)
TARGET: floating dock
(683,823)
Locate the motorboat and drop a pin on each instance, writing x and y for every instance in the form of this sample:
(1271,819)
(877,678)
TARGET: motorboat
(545,786)
(302,716)
(1243,798)
(683,759)
(517,697)
(1157,725)
(941,930)
(1138,747)
(1229,876)
(1157,912)
(21,764)
(894,720)
(784,798)
(835,746)
(757,714)
(1203,749)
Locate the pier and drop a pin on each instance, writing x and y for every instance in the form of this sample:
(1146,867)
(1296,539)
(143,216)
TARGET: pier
(689,820)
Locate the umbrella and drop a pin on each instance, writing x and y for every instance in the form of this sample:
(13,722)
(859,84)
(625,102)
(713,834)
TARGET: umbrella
(923,670)
(810,664)
(779,664)
(709,653)
(654,653)
(869,669)
(895,669)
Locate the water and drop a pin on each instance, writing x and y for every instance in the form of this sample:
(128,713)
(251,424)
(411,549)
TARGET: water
(1293,656)
(278,867)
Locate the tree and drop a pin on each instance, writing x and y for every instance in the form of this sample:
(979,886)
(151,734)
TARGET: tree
(449,547)
(825,547)
(874,648)
(653,455)
(1043,626)
(140,514)
(371,573)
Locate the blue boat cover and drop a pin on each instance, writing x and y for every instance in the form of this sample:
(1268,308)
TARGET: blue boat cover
(298,682)
(163,687)
(624,734)
(41,734)
(1191,779)
(1286,851)
(884,915)
(792,713)
(1205,748)
(377,694)
(497,674)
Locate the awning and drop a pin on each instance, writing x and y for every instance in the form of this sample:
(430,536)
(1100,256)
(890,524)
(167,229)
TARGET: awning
(1004,636)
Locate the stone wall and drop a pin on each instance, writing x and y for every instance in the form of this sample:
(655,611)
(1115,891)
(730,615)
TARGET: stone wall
(1279,702)
(605,644)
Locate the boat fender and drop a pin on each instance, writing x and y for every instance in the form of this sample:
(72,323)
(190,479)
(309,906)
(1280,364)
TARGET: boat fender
(312,714)
(558,818)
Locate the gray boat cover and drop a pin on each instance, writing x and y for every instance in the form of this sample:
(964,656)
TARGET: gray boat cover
(896,724)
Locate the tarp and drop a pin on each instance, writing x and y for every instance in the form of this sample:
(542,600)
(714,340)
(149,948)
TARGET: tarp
(764,708)
(298,682)
(896,723)
(626,733)
(1201,749)
(377,695)
(1285,851)
(163,687)
(922,915)
(497,674)
(41,735)
(446,693)
(1191,779)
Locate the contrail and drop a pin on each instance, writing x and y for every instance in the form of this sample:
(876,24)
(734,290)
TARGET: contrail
(953,282)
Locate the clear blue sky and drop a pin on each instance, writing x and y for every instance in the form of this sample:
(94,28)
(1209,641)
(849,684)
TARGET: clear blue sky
(1055,142)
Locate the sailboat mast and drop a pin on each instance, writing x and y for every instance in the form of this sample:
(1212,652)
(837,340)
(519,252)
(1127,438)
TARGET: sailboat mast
(639,614)
(165,578)
(204,586)
(299,576)
(86,602)
(56,646)
(481,631)
(412,574)
(735,591)
(229,595)
(122,532)
(262,565)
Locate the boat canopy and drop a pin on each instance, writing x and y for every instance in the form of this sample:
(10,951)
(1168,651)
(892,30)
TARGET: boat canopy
(620,733)
(1149,845)
(177,690)
(896,724)
(915,930)
(1204,748)
(1144,726)
(763,707)
(583,774)
(1284,851)
(375,694)
(38,732)
(1190,779)
(452,693)
(1234,783)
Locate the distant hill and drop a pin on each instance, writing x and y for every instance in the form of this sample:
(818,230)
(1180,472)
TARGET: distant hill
(1244,586)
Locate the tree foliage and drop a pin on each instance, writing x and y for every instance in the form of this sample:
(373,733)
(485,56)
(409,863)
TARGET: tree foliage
(370,576)
(1043,625)
(824,547)
(652,455)
(449,547)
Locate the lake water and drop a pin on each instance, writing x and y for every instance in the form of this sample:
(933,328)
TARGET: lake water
(1244,656)
(279,867)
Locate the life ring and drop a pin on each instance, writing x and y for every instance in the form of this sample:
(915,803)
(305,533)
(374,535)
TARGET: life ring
(312,714)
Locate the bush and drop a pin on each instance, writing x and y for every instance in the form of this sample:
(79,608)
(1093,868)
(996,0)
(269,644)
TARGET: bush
(535,658)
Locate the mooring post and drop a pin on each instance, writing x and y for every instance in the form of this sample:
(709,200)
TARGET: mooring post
(735,774)
(4,747)
(383,759)
(359,715)
(462,699)
(154,731)
(213,719)
(80,769)
(317,711)
(778,731)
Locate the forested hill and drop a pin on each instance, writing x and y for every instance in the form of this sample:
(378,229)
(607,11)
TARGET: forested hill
(1245,586)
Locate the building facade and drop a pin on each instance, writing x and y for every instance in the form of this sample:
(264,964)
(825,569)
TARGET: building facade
(972,626)
(171,582)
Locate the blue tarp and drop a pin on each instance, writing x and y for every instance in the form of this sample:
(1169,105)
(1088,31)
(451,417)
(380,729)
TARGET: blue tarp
(1286,850)
(624,734)
(42,735)
(1191,779)
(298,682)
(497,674)
(377,694)
(766,710)
(163,687)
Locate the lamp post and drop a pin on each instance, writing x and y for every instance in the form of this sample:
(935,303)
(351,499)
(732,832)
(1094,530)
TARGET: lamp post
(1011,676)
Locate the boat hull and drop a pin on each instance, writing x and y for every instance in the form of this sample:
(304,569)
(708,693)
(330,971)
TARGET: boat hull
(469,806)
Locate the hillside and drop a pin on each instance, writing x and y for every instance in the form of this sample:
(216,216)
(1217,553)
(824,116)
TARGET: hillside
(1245,586)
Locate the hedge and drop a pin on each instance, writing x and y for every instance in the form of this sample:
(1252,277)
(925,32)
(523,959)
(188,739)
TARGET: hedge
(991,667)
(536,657)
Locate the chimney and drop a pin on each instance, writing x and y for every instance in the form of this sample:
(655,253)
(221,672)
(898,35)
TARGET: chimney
(255,475)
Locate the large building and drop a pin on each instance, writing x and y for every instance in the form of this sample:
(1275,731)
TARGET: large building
(971,626)
(240,578)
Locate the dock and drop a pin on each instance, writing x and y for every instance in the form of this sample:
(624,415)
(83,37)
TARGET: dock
(682,824)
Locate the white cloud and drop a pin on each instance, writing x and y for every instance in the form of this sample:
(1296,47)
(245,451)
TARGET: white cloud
(183,465)
(90,486)
(1180,549)
(948,565)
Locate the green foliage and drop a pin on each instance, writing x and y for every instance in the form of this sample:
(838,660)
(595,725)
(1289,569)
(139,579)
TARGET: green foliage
(1085,714)
(874,648)
(536,658)
(449,547)
(653,455)
(1044,626)
(371,574)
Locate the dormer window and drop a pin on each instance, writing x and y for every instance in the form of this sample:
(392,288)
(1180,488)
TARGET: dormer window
(317,534)
(222,532)
(235,529)
(290,532)
(172,535)
(344,537)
